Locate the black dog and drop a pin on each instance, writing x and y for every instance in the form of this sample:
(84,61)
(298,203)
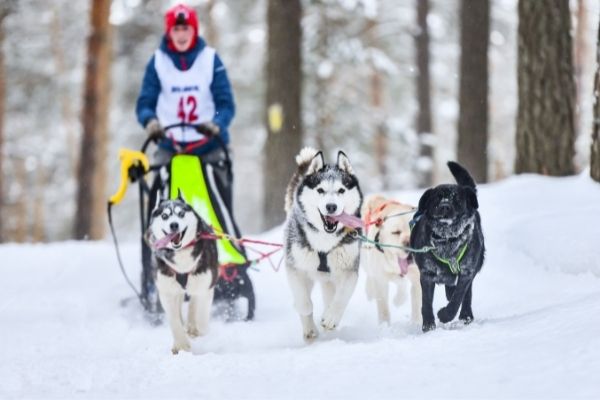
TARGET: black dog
(448,220)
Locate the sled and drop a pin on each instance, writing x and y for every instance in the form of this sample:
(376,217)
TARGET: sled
(200,188)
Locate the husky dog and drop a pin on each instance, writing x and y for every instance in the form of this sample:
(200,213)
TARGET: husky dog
(387,221)
(186,264)
(317,247)
(448,220)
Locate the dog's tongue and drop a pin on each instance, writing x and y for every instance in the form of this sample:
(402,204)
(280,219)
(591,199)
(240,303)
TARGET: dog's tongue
(403,264)
(165,240)
(348,220)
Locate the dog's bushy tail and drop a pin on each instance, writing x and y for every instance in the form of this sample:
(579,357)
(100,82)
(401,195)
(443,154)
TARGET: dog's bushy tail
(303,159)
(461,175)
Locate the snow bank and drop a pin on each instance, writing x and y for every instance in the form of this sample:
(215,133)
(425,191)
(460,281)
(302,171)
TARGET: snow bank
(536,334)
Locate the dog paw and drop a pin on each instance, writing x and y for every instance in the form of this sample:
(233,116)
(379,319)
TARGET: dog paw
(310,335)
(185,346)
(330,320)
(195,331)
(445,315)
(428,326)
(466,319)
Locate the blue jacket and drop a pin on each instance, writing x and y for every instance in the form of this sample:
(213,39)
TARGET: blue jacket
(220,89)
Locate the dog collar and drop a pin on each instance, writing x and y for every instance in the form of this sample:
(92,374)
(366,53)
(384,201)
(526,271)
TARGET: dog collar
(453,263)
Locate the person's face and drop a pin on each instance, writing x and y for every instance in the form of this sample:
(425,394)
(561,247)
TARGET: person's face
(181,36)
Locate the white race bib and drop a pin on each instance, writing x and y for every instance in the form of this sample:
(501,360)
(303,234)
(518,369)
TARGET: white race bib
(185,95)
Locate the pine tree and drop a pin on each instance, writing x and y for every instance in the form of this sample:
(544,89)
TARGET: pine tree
(424,119)
(546,111)
(89,218)
(473,92)
(595,157)
(284,82)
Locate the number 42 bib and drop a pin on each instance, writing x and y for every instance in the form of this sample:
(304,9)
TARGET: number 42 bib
(185,95)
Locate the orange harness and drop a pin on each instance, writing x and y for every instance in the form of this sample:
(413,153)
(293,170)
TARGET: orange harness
(369,216)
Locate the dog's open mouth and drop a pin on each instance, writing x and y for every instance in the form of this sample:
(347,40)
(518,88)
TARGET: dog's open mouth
(176,238)
(330,223)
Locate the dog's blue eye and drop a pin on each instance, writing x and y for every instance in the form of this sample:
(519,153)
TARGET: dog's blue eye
(320,191)
(165,216)
(181,214)
(341,191)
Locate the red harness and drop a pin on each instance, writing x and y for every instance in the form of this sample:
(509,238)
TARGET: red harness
(223,273)
(369,216)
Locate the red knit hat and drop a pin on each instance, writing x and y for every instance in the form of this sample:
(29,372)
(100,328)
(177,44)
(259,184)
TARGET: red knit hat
(181,15)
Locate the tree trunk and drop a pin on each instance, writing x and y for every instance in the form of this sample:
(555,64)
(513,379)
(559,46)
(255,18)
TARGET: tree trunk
(91,176)
(2,111)
(66,109)
(324,116)
(595,157)
(546,112)
(376,94)
(424,124)
(21,207)
(38,233)
(473,92)
(284,83)
(580,53)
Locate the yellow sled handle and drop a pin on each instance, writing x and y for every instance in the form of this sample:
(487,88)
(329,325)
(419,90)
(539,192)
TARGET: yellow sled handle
(128,159)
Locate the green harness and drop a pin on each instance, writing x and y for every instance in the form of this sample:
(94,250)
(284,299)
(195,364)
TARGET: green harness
(453,264)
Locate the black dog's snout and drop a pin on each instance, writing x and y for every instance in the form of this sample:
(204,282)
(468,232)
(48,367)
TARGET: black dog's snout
(174,226)
(443,210)
(331,208)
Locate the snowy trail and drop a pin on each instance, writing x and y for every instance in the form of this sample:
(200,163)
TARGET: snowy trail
(536,333)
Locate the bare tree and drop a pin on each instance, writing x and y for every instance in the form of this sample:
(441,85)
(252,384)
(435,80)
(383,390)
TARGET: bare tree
(580,54)
(2,102)
(424,120)
(6,8)
(595,157)
(546,111)
(284,84)
(376,91)
(473,91)
(91,175)
(66,107)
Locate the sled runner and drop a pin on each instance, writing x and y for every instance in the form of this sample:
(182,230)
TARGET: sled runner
(204,185)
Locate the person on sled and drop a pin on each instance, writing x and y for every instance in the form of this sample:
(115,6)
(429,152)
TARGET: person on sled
(186,82)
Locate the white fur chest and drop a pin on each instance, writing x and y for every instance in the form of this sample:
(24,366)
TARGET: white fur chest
(341,259)
(320,241)
(182,261)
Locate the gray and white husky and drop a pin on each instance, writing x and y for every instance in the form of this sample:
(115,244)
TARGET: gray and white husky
(318,248)
(186,263)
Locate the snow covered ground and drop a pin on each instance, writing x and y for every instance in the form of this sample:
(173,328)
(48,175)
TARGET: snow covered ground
(63,333)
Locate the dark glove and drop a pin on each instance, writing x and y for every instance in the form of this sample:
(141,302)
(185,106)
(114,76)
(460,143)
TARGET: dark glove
(154,130)
(208,128)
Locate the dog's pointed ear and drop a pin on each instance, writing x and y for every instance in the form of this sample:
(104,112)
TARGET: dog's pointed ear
(316,164)
(180,195)
(343,162)
(424,200)
(157,202)
(472,198)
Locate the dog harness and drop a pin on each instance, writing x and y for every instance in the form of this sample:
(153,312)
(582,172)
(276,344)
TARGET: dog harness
(323,267)
(182,279)
(453,263)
